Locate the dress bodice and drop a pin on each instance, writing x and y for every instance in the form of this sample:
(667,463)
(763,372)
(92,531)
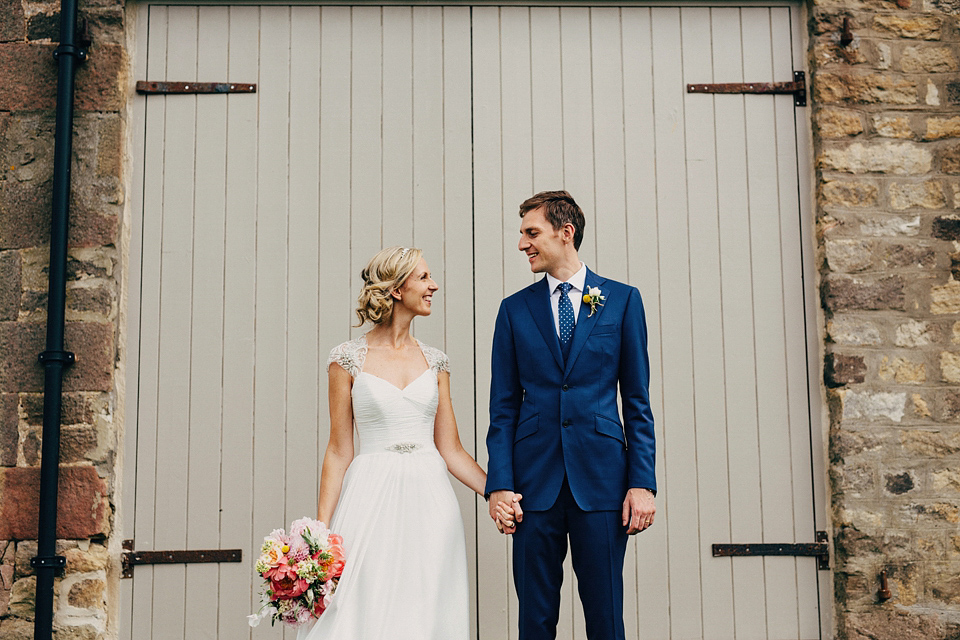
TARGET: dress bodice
(389,418)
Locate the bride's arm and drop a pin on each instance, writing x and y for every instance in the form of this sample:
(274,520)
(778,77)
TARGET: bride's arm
(340,447)
(445,435)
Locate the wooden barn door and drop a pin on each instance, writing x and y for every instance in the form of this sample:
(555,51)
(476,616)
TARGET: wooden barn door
(252,215)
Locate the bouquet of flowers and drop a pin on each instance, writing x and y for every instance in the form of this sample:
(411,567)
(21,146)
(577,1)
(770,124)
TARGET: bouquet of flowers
(300,571)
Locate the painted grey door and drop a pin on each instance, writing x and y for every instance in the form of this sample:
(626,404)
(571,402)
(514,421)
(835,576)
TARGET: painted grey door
(252,215)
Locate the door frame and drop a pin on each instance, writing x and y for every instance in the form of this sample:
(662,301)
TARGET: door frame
(131,252)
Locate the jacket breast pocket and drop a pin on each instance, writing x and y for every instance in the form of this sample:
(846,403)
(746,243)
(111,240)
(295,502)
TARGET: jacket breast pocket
(611,428)
(605,329)
(527,428)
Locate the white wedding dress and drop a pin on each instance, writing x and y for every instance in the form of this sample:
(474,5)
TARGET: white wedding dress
(405,576)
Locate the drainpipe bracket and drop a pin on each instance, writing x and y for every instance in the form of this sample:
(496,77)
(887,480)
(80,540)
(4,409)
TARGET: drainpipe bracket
(71,50)
(48,562)
(65,357)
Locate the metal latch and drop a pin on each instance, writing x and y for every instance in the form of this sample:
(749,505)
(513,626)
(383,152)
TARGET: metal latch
(131,558)
(798,88)
(818,549)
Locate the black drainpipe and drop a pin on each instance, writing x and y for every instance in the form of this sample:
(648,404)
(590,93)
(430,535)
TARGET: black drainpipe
(47,563)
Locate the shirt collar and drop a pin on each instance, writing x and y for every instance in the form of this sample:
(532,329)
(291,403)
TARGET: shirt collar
(577,280)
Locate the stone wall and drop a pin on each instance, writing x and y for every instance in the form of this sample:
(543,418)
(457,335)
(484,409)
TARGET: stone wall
(28,78)
(887,138)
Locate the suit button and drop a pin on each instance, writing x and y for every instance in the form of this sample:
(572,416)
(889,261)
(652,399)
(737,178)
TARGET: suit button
(567,423)
(565,387)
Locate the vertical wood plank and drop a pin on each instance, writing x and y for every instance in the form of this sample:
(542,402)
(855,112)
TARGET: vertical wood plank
(304,353)
(236,478)
(546,94)
(739,352)
(458,274)
(649,575)
(149,347)
(366,154)
(679,442)
(705,287)
(428,216)
(203,473)
(270,368)
(173,389)
(398,179)
(495,590)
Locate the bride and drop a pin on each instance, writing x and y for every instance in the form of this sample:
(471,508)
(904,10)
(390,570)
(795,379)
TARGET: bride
(406,573)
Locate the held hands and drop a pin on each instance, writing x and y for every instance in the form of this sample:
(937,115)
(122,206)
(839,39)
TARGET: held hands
(505,510)
(638,510)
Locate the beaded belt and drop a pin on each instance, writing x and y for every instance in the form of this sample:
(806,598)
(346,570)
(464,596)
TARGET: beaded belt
(404,447)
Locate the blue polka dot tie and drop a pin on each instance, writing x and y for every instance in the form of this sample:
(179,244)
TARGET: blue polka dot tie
(565,315)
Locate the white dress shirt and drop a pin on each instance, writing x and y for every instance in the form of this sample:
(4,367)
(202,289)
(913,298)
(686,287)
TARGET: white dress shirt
(577,282)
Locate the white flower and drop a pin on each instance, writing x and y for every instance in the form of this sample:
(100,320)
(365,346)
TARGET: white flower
(594,292)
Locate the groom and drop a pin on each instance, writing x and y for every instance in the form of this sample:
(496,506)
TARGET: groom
(561,348)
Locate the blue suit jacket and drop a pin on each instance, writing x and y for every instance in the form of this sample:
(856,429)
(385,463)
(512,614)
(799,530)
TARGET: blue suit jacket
(549,418)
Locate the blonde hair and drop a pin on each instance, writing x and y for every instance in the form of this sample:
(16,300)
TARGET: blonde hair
(385,273)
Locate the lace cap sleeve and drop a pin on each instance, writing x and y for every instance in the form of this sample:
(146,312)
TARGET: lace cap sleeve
(348,355)
(436,359)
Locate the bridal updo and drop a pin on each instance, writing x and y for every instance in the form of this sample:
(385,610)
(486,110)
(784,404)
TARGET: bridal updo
(386,272)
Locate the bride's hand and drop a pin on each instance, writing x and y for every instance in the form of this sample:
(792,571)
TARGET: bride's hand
(508,515)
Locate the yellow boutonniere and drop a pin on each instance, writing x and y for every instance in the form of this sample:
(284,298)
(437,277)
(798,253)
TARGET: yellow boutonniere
(593,298)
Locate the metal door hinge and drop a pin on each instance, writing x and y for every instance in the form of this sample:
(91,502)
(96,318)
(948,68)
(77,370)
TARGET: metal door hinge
(146,86)
(131,558)
(798,88)
(818,549)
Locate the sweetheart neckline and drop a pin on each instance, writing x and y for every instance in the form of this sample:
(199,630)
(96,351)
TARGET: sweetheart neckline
(393,385)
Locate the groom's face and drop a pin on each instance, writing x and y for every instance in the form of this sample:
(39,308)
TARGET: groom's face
(540,241)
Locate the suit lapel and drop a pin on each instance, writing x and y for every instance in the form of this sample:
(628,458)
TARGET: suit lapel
(585,322)
(538,301)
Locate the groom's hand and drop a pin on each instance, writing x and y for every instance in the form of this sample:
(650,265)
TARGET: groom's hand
(505,510)
(638,510)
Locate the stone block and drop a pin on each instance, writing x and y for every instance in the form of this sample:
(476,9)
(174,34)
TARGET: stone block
(16,629)
(943,583)
(928,60)
(930,514)
(9,285)
(77,408)
(887,225)
(845,293)
(76,632)
(944,481)
(834,88)
(30,447)
(948,409)
(110,147)
(907,256)
(9,429)
(98,80)
(852,331)
(950,367)
(92,343)
(83,511)
(892,127)
(848,255)
(901,158)
(899,483)
(845,193)
(870,405)
(23,598)
(95,558)
(914,333)
(913,25)
(87,594)
(946,227)
(838,123)
(7,551)
(950,160)
(953,88)
(950,7)
(920,407)
(945,298)
(840,369)
(910,195)
(902,371)
(44,26)
(939,128)
(77,444)
(931,443)
(12,23)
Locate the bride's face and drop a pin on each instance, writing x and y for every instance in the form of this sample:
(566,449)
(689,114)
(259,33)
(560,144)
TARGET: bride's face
(416,293)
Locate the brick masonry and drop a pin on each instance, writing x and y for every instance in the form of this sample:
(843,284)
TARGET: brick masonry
(885,115)
(887,145)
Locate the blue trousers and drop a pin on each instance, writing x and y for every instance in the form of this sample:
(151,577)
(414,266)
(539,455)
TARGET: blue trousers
(598,542)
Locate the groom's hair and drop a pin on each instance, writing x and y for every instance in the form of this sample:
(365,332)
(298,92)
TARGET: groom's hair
(560,208)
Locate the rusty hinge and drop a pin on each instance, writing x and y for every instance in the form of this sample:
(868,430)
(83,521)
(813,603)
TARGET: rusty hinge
(816,549)
(146,86)
(131,558)
(798,88)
